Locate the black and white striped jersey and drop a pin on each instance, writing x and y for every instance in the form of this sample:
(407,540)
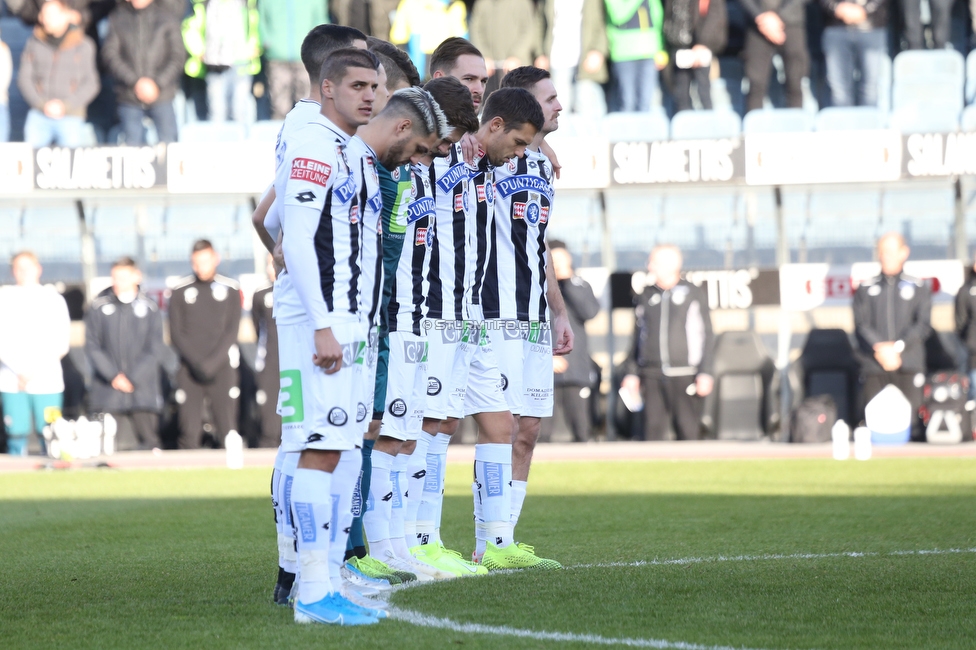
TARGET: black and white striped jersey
(369,206)
(451,270)
(411,283)
(514,286)
(481,232)
(322,234)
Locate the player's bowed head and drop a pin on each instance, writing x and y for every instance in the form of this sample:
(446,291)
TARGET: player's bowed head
(407,129)
(455,100)
(510,121)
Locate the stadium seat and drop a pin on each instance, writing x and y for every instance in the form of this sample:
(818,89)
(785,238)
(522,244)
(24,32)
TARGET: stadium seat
(968,121)
(114,228)
(928,78)
(705,125)
(884,85)
(213,132)
(265,130)
(778,120)
(850,118)
(925,119)
(829,367)
(971,78)
(53,233)
(578,125)
(739,406)
(637,127)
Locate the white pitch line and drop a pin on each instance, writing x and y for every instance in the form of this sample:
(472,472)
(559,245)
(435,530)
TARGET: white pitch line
(424,620)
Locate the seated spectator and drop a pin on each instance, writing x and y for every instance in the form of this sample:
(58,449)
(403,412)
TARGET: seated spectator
(696,32)
(855,41)
(6,75)
(35,332)
(421,25)
(57,78)
(941,23)
(125,368)
(776,26)
(222,39)
(284,24)
(636,51)
(144,53)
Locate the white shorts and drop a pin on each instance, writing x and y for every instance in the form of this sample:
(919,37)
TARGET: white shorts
(449,351)
(524,351)
(318,411)
(485,386)
(406,387)
(367,380)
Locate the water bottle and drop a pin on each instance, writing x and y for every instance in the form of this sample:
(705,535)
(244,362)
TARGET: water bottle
(862,443)
(841,437)
(235,450)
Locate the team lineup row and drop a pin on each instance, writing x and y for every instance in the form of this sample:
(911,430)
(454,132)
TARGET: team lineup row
(415,287)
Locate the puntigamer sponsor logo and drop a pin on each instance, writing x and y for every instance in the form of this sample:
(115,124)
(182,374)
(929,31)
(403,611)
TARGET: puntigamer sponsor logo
(523,183)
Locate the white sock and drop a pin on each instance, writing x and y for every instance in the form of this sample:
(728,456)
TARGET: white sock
(493,472)
(312,512)
(343,485)
(398,477)
(376,518)
(518,498)
(276,501)
(480,532)
(416,471)
(287,552)
(430,494)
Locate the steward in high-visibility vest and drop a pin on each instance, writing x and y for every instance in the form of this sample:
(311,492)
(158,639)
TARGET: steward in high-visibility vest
(210,36)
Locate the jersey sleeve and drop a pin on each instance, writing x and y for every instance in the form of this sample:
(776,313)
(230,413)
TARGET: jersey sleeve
(302,189)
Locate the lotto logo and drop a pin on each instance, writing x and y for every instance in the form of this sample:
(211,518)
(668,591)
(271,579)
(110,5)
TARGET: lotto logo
(313,171)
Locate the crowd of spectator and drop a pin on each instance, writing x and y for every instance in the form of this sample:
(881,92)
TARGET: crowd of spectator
(118,62)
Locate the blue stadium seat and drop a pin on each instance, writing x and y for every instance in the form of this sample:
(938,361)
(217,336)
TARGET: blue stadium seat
(114,228)
(925,119)
(928,78)
(213,132)
(884,85)
(777,120)
(850,118)
(969,118)
(574,124)
(705,125)
(637,127)
(265,130)
(971,78)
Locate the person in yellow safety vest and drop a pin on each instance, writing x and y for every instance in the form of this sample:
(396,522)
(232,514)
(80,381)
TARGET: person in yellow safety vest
(224,47)
(421,25)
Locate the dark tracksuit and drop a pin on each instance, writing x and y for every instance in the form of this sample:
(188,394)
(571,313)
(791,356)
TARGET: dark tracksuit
(126,338)
(573,387)
(266,367)
(896,308)
(204,319)
(759,51)
(966,319)
(672,344)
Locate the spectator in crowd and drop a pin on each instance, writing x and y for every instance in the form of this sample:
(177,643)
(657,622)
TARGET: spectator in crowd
(284,24)
(505,48)
(775,26)
(941,23)
(574,374)
(575,49)
(204,319)
(966,324)
(266,361)
(891,324)
(35,333)
(6,76)
(696,32)
(855,42)
(419,26)
(221,38)
(82,13)
(144,53)
(670,359)
(123,343)
(57,78)
(636,51)
(372,17)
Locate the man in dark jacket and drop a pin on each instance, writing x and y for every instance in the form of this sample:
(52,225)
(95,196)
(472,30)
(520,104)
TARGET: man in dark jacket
(891,323)
(670,360)
(204,319)
(58,78)
(574,378)
(696,32)
(266,362)
(775,26)
(966,324)
(855,40)
(123,342)
(144,53)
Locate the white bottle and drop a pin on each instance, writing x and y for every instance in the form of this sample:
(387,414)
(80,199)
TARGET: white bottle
(109,428)
(235,450)
(862,443)
(841,437)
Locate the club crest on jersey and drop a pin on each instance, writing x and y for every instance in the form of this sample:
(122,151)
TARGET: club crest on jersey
(346,191)
(533,213)
(395,175)
(312,171)
(486,193)
(423,207)
(453,176)
(512,164)
(523,183)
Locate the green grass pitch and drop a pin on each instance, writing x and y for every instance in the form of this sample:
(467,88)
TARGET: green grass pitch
(187,559)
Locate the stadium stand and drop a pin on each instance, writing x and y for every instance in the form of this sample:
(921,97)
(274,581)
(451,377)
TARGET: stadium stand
(924,118)
(778,120)
(213,132)
(630,127)
(850,118)
(705,125)
(928,78)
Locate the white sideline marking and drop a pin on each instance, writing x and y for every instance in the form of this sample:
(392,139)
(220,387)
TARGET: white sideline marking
(424,620)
